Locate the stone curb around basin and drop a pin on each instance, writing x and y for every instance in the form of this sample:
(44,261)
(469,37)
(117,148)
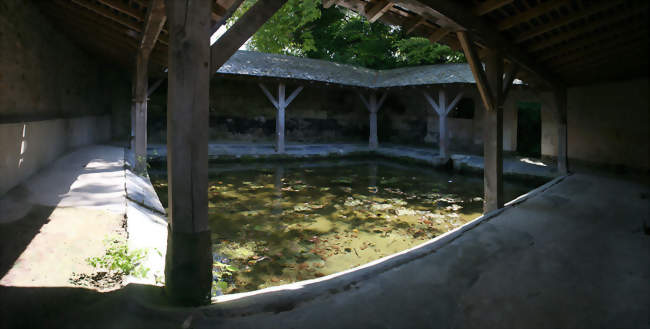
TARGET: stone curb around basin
(146,223)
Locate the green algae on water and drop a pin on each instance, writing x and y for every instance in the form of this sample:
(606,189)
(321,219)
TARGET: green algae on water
(286,222)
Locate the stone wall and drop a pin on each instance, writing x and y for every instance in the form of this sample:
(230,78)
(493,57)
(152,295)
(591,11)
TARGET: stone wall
(606,123)
(53,95)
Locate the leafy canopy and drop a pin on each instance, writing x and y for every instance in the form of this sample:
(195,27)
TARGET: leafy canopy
(304,28)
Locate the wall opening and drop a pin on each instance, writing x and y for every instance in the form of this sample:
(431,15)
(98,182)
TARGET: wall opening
(529,129)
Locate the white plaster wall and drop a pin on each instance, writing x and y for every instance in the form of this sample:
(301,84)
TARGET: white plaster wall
(548,116)
(29,146)
(608,123)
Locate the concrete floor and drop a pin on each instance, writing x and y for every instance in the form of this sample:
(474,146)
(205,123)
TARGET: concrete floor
(60,216)
(572,256)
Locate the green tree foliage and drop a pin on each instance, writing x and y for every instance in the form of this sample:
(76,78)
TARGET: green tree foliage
(419,51)
(303,28)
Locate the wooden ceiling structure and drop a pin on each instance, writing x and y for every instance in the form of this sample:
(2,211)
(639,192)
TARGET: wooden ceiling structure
(554,42)
(113,29)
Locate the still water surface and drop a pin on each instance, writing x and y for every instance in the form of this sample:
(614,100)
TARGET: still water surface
(276,223)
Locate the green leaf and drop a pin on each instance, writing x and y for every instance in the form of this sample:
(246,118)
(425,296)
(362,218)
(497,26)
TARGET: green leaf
(223,285)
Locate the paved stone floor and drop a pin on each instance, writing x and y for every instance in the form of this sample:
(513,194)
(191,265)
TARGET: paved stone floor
(574,255)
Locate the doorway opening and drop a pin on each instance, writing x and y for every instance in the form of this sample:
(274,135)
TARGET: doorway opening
(529,129)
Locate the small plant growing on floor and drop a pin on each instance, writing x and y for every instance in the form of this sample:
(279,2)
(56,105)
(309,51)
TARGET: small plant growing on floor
(118,258)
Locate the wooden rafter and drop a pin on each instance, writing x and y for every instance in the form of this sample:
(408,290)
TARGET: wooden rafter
(489,6)
(477,69)
(108,13)
(550,26)
(70,13)
(578,32)
(374,10)
(596,41)
(526,16)
(618,44)
(438,34)
(414,23)
(153,25)
(124,8)
(241,31)
(488,36)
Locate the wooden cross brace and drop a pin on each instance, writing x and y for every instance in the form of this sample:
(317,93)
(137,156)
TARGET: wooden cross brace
(491,97)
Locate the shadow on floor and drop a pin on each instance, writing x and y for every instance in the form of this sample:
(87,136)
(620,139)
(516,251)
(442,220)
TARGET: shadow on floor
(16,236)
(134,306)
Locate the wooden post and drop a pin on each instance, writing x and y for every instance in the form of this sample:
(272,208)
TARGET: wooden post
(141,86)
(133,84)
(493,89)
(280,105)
(442,109)
(561,106)
(154,21)
(493,136)
(279,120)
(373,140)
(373,105)
(188,268)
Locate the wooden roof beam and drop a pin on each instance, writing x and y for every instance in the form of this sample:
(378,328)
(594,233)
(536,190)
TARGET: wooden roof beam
(123,8)
(488,6)
(628,56)
(639,28)
(483,32)
(477,70)
(107,13)
(101,19)
(153,25)
(438,34)
(589,27)
(414,23)
(374,10)
(541,29)
(526,16)
(241,31)
(71,13)
(595,49)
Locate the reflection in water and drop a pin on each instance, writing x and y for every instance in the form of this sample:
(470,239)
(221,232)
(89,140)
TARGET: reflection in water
(284,222)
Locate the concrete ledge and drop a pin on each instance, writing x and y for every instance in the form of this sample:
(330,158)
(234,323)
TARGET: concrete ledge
(237,152)
(146,222)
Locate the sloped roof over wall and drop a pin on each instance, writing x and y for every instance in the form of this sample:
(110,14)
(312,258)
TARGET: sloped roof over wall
(250,63)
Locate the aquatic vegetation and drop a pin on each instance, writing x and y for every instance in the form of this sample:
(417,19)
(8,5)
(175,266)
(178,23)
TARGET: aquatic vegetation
(281,225)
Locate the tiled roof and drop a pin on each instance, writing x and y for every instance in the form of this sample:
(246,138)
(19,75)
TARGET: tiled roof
(250,63)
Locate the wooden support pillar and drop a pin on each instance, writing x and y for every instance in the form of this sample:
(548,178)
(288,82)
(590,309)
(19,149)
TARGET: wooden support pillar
(442,108)
(132,133)
(140,106)
(493,89)
(280,105)
(561,106)
(188,268)
(373,105)
(493,136)
(153,24)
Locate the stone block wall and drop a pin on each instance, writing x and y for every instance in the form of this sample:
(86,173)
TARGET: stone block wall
(54,96)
